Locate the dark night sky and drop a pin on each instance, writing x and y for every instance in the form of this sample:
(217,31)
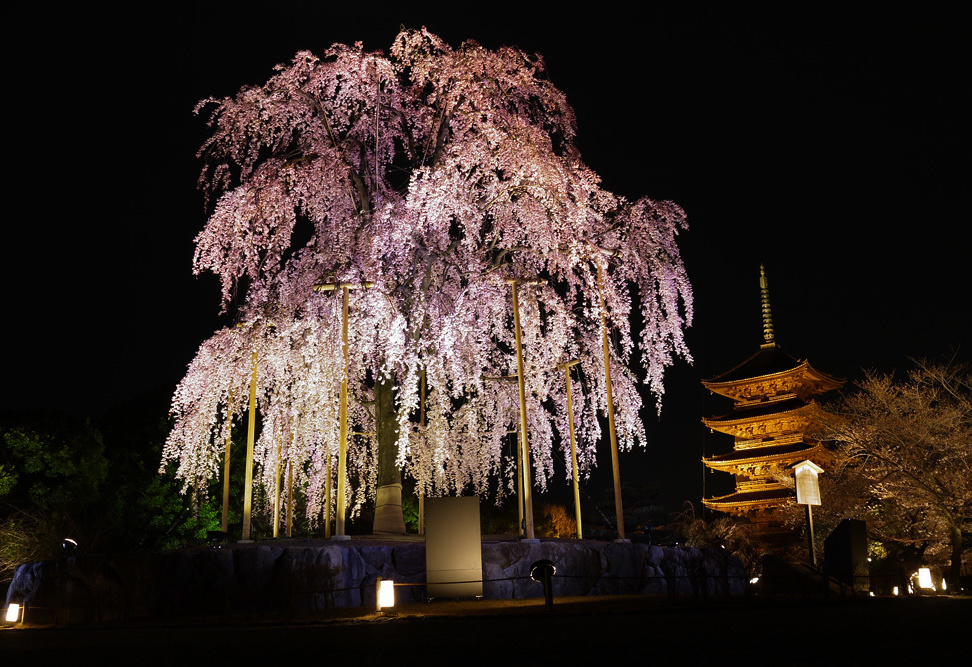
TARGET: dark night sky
(825,144)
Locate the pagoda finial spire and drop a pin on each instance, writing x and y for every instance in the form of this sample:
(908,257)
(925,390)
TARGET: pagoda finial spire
(768,335)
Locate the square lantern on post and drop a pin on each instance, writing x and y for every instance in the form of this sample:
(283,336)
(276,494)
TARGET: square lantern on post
(385,594)
(808,493)
(14,613)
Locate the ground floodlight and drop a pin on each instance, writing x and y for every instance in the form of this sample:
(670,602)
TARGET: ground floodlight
(925,578)
(539,569)
(894,590)
(543,571)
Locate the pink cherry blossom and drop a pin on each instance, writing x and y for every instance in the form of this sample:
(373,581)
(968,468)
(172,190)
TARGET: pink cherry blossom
(434,175)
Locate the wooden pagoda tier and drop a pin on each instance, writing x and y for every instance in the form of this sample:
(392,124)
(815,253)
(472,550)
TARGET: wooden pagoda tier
(772,414)
(769,422)
(769,373)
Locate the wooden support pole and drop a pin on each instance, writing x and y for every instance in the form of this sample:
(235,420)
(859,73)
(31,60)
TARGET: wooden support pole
(619,511)
(524,440)
(421,498)
(573,448)
(327,498)
(290,498)
(811,545)
(276,491)
(224,522)
(520,505)
(250,437)
(343,437)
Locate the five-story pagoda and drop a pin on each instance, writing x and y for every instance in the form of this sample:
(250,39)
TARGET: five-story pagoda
(772,411)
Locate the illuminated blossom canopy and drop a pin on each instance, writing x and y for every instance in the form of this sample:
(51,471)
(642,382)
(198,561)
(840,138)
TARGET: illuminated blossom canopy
(436,175)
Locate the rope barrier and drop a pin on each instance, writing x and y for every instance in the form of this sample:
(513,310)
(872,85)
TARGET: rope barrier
(666,578)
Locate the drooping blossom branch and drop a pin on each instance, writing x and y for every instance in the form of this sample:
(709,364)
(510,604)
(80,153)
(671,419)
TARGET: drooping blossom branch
(433,174)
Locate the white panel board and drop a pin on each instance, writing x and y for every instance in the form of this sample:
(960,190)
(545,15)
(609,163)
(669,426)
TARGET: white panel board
(453,548)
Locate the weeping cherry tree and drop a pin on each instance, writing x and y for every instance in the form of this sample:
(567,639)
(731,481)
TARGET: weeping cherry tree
(436,180)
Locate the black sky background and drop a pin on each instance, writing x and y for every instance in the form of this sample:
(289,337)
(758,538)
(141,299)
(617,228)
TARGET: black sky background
(829,145)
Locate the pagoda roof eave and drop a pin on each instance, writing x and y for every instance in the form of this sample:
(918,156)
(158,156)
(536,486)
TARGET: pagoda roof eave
(720,424)
(750,499)
(761,411)
(792,452)
(768,360)
(804,368)
(768,363)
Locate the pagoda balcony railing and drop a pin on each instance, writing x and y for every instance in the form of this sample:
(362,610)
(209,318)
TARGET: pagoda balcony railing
(765,400)
(753,443)
(760,484)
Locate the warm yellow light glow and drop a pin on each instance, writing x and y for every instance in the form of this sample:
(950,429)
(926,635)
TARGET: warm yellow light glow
(13,613)
(944,585)
(754,580)
(386,593)
(925,578)
(895,590)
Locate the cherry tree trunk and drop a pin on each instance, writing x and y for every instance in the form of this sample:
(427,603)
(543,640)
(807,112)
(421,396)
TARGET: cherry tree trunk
(955,569)
(388,504)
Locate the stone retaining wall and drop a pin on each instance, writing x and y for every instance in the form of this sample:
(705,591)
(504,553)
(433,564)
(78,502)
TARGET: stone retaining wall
(297,577)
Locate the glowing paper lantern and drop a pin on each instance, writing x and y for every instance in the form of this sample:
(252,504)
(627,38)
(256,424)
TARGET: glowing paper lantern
(13,613)
(386,593)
